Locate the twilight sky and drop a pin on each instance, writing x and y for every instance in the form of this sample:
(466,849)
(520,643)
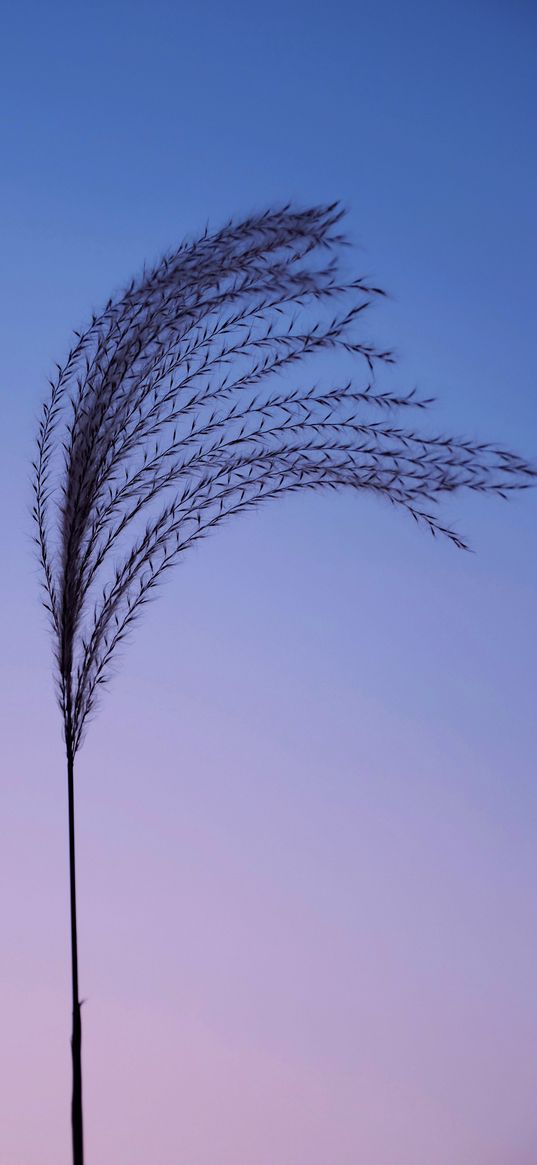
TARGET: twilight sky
(307,810)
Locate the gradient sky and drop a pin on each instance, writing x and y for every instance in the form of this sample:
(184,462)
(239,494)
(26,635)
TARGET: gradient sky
(307,810)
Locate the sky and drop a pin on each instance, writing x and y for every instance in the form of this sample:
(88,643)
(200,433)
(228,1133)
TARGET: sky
(307,808)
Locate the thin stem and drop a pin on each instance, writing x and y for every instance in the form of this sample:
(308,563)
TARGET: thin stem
(76,1040)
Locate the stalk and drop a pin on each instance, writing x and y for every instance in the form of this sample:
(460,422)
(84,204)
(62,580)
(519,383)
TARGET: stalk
(76,1039)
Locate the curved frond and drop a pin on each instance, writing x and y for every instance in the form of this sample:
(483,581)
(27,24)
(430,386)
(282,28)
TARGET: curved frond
(178,407)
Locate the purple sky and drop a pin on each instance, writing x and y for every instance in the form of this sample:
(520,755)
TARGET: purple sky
(307,809)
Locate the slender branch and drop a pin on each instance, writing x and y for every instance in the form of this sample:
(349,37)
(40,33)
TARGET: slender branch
(76,1037)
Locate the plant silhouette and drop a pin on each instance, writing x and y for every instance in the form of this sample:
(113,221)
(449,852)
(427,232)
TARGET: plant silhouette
(167,418)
